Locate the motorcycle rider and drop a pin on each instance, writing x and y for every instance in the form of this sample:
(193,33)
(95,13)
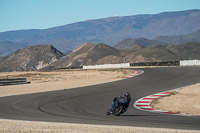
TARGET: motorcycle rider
(121,100)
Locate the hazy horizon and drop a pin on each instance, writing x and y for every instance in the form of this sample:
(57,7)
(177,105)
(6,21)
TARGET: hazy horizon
(37,14)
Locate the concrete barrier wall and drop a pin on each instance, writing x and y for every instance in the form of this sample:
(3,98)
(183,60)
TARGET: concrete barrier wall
(166,63)
(190,63)
(107,66)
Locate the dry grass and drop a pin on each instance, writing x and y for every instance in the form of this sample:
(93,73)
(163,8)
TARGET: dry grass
(156,101)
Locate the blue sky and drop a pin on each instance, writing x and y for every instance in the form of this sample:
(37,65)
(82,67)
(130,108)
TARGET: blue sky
(42,14)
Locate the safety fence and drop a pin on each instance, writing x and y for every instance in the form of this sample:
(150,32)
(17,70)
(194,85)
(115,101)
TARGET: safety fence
(161,63)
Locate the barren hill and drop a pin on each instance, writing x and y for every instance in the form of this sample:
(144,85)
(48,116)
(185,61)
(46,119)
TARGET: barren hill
(85,54)
(153,53)
(150,54)
(30,58)
(127,43)
(187,51)
(47,57)
(186,38)
(91,54)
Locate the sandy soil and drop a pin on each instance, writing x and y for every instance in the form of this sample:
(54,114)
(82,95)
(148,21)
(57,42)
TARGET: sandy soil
(57,80)
(8,126)
(185,100)
(48,81)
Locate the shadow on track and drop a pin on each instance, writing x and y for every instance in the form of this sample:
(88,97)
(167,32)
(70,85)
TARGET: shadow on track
(135,115)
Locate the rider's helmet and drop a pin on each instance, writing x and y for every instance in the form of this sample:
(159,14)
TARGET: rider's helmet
(127,94)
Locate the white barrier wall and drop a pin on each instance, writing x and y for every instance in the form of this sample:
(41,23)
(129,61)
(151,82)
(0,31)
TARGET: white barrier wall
(107,66)
(190,63)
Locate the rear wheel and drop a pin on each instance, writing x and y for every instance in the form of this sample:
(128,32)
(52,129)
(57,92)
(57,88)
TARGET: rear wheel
(118,111)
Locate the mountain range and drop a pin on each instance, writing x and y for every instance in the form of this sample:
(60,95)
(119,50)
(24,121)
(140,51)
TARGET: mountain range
(106,30)
(127,43)
(161,40)
(192,37)
(92,54)
(47,57)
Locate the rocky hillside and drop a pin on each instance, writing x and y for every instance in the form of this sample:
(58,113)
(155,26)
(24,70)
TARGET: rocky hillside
(109,30)
(30,58)
(165,53)
(127,43)
(186,51)
(186,38)
(47,57)
(85,54)
(91,54)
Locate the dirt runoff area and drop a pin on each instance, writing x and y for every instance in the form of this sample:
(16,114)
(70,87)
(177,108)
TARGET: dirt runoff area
(60,79)
(66,79)
(185,100)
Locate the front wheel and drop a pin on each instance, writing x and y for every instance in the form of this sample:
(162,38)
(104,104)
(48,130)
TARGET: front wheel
(108,113)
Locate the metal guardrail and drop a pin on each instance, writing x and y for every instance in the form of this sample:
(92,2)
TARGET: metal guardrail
(17,81)
(161,63)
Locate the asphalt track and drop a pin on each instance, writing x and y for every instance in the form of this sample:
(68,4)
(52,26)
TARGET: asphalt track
(88,105)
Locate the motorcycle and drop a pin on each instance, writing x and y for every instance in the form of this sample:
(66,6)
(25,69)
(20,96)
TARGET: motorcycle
(118,107)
